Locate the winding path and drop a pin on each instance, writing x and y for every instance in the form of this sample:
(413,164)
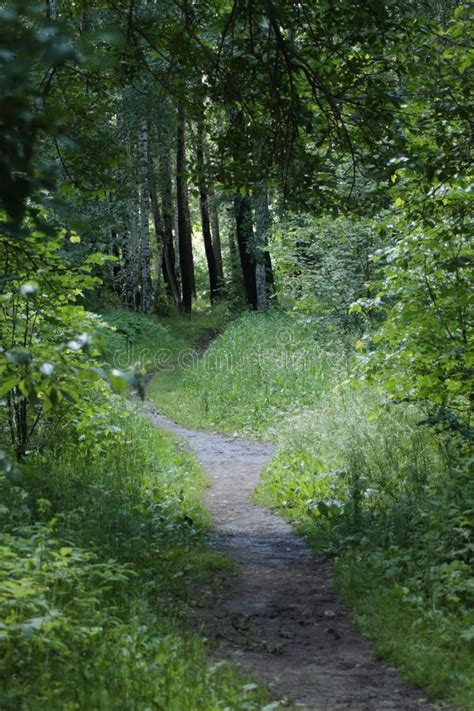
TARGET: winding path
(282,619)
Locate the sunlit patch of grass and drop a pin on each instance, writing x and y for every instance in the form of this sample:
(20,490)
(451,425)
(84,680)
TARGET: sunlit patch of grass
(262,367)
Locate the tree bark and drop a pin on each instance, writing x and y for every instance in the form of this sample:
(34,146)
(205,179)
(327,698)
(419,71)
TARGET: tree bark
(117,266)
(170,264)
(127,284)
(147,286)
(52,9)
(135,256)
(263,266)
(245,238)
(184,231)
(132,201)
(214,286)
(215,227)
(216,237)
(164,235)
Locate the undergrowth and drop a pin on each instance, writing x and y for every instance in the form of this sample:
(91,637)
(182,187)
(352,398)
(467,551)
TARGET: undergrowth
(389,499)
(103,549)
(164,345)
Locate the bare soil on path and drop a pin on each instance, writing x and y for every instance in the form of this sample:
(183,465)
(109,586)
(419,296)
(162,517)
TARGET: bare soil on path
(281,619)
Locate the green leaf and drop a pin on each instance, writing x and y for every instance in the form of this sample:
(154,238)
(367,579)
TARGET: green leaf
(7,385)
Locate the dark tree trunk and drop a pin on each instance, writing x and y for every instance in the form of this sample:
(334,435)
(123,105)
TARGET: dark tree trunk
(214,286)
(263,269)
(234,256)
(244,231)
(169,258)
(164,237)
(147,285)
(185,244)
(216,237)
(215,227)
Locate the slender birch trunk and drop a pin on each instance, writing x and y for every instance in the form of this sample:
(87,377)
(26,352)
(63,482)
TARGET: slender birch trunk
(52,9)
(127,284)
(135,254)
(132,225)
(214,286)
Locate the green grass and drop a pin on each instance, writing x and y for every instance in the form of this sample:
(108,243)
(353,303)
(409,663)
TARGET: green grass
(262,367)
(165,347)
(428,648)
(103,553)
(388,499)
(130,338)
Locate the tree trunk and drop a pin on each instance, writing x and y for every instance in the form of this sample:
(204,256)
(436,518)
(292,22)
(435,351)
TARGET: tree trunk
(132,200)
(147,286)
(184,232)
(170,263)
(215,228)
(158,225)
(244,231)
(135,256)
(189,230)
(116,265)
(52,9)
(216,236)
(214,286)
(164,235)
(263,267)
(127,284)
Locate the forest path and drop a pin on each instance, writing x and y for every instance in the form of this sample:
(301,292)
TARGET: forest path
(281,619)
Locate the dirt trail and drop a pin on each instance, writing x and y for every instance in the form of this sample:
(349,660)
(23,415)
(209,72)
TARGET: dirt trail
(282,620)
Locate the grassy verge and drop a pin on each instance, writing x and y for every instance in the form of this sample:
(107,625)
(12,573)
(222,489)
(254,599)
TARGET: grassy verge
(130,338)
(427,646)
(103,549)
(389,500)
(261,368)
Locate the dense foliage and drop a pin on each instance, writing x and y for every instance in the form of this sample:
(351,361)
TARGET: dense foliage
(306,159)
(102,550)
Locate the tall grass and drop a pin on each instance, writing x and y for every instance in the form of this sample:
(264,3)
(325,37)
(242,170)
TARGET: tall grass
(389,499)
(102,551)
(262,367)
